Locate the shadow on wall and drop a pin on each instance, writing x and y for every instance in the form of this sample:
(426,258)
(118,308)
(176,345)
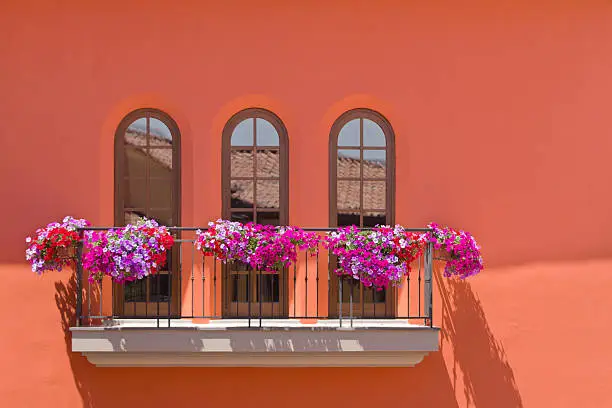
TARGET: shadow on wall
(65,299)
(479,364)
(477,374)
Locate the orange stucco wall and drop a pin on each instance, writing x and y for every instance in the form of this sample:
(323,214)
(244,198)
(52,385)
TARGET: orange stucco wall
(501,112)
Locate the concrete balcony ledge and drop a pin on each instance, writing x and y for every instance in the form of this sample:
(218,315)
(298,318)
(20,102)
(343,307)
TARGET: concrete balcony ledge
(278,343)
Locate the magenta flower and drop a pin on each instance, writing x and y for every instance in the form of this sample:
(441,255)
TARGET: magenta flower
(377,258)
(263,247)
(127,254)
(465,258)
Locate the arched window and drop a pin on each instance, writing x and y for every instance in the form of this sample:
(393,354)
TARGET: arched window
(362,163)
(147,184)
(255,173)
(362,191)
(255,189)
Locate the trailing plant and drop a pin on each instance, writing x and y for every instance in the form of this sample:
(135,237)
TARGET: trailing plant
(464,257)
(129,253)
(53,246)
(263,247)
(377,258)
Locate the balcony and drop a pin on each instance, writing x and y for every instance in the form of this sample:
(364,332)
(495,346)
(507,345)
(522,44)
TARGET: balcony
(201,312)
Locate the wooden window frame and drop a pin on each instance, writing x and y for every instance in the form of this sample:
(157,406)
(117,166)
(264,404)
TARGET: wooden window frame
(119,190)
(283,210)
(380,120)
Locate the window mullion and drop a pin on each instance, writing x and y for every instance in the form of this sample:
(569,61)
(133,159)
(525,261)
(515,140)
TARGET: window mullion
(254,170)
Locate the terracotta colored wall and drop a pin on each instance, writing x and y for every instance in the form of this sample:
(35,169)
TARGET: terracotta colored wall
(501,112)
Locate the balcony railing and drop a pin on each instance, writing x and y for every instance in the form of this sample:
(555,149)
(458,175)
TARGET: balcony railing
(201,290)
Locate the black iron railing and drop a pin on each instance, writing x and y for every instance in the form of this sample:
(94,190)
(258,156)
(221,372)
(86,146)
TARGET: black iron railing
(207,291)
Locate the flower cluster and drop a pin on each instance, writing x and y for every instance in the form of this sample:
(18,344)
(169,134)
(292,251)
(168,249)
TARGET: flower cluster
(378,257)
(223,239)
(51,248)
(128,253)
(263,247)
(465,258)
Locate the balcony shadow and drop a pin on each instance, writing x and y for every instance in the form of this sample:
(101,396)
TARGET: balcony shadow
(488,378)
(478,358)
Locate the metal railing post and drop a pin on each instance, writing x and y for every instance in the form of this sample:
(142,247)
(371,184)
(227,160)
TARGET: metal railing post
(79,278)
(428,288)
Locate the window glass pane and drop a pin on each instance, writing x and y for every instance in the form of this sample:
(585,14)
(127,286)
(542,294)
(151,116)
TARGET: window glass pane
(239,267)
(242,217)
(347,218)
(135,162)
(136,291)
(160,288)
(349,134)
(160,162)
(374,194)
(268,218)
(132,216)
(268,194)
(372,134)
(373,218)
(268,164)
(348,194)
(159,133)
(157,142)
(135,135)
(350,287)
(160,193)
(242,193)
(243,133)
(348,164)
(374,163)
(242,163)
(269,287)
(372,295)
(266,133)
(239,287)
(135,193)
(162,215)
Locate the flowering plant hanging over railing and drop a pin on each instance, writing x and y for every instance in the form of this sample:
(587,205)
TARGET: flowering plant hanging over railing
(277,246)
(224,239)
(378,257)
(464,258)
(53,246)
(263,247)
(127,254)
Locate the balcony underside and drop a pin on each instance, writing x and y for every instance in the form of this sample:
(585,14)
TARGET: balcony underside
(280,343)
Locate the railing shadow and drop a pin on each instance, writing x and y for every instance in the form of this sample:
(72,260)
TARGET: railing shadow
(488,379)
(65,299)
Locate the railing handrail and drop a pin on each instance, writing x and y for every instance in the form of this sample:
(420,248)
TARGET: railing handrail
(309,229)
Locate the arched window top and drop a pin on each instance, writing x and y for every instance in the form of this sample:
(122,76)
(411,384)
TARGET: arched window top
(255,132)
(148,127)
(255,179)
(361,132)
(362,128)
(362,184)
(255,127)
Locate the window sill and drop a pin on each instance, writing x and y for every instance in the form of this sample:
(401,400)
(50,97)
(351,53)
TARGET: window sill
(278,343)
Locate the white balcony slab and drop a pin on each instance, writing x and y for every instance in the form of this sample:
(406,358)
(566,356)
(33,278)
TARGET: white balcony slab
(231,342)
